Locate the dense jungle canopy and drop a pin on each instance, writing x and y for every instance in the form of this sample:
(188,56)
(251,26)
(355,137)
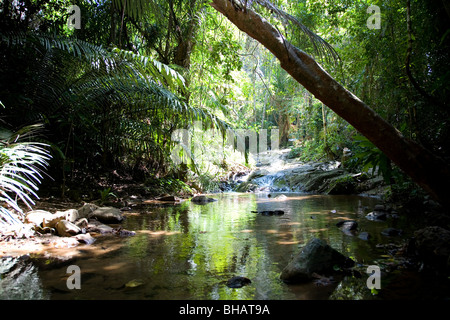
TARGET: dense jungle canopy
(102,103)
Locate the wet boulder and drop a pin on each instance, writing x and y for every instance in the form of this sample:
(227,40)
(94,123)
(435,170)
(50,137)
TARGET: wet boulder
(38,217)
(364,235)
(98,227)
(66,228)
(81,223)
(169,199)
(123,232)
(86,210)
(391,232)
(107,215)
(280,197)
(432,246)
(238,282)
(316,257)
(347,225)
(315,181)
(202,199)
(378,214)
(70,215)
(270,212)
(85,238)
(246,186)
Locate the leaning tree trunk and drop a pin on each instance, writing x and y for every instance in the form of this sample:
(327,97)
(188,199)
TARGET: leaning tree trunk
(426,169)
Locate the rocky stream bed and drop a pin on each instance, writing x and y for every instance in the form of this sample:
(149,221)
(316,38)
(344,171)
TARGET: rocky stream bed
(62,231)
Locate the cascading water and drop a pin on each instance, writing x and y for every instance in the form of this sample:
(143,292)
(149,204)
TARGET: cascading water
(275,172)
(268,183)
(269,175)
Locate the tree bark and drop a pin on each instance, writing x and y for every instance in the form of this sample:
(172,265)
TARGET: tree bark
(426,169)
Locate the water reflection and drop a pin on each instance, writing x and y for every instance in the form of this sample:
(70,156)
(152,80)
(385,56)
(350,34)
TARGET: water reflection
(189,251)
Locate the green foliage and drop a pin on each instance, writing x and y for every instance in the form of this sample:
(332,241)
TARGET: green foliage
(295,153)
(170,185)
(405,191)
(225,52)
(208,182)
(112,93)
(105,194)
(117,104)
(368,156)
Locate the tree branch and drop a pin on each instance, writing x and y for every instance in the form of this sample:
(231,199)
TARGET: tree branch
(420,164)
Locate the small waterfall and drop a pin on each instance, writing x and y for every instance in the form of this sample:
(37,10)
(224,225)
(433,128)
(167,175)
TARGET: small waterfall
(271,183)
(234,179)
(265,183)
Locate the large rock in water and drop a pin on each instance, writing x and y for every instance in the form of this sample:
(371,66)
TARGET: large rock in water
(70,215)
(66,228)
(44,218)
(107,215)
(202,199)
(86,210)
(432,245)
(38,217)
(316,257)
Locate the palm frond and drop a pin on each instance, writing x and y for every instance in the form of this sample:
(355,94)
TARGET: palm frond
(117,101)
(133,8)
(21,167)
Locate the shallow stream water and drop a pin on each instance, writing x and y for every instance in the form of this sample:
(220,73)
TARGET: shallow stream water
(189,251)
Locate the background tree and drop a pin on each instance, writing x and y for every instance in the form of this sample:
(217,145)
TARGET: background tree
(418,162)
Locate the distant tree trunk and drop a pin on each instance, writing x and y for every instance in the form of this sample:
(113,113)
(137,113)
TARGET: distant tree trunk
(426,169)
(326,146)
(185,41)
(324,123)
(282,118)
(113,22)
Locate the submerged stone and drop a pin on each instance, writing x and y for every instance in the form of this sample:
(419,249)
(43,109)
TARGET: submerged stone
(280,197)
(364,235)
(347,225)
(391,232)
(377,216)
(238,282)
(202,199)
(270,212)
(134,283)
(169,199)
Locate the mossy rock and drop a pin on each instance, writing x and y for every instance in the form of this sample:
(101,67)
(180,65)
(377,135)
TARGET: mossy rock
(345,184)
(318,179)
